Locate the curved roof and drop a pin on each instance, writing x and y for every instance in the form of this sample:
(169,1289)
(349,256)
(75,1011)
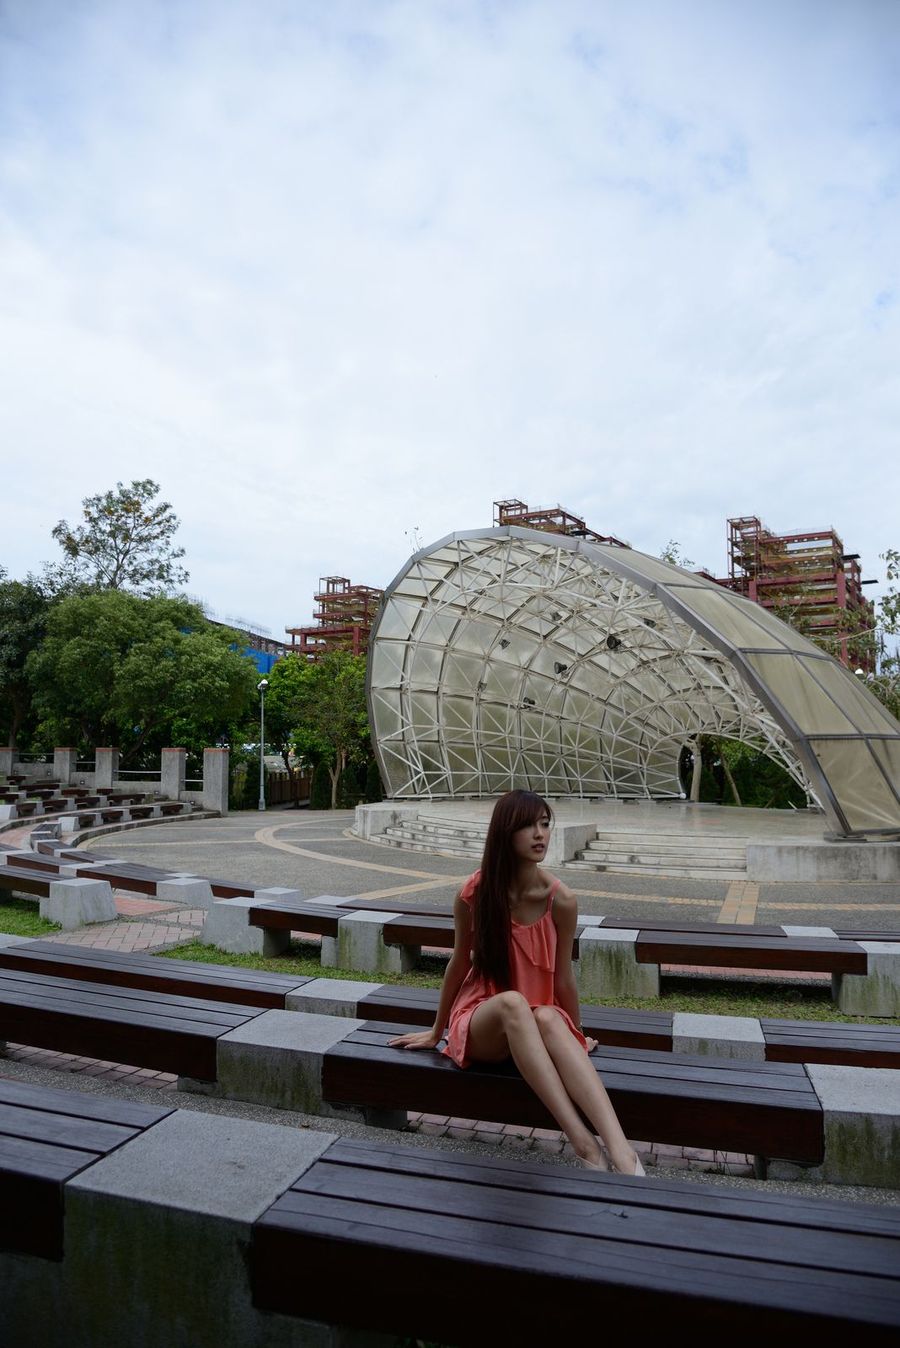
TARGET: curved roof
(510,657)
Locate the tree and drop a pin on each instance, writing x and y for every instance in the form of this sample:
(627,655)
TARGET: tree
(124,543)
(24,607)
(319,710)
(672,554)
(139,673)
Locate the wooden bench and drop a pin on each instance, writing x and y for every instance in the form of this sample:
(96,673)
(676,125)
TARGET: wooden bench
(47,1137)
(451,1248)
(166,1032)
(185,978)
(409,1241)
(784,1040)
(768,1109)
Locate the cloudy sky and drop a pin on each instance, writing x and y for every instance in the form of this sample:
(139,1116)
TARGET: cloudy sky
(340,274)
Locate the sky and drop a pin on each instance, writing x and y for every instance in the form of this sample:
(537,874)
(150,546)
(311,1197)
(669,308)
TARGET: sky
(339,275)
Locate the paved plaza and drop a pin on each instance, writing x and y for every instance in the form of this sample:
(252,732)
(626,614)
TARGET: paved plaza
(316,853)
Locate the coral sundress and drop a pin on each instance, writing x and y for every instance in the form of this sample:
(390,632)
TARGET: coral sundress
(532,959)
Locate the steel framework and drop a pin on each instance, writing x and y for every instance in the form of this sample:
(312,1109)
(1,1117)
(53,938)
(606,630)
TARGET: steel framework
(508,657)
(342,621)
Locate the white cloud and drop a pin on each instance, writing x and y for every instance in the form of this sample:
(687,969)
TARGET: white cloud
(332,272)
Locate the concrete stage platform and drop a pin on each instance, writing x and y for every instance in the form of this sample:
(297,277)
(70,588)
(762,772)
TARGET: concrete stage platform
(649,837)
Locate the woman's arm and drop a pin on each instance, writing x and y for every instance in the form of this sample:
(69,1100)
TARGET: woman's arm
(565,916)
(457,967)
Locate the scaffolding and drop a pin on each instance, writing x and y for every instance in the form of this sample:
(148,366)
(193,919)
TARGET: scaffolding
(342,620)
(808,580)
(552,520)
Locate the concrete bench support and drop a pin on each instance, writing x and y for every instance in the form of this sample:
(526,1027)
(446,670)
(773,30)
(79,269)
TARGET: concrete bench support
(330,996)
(187,890)
(876,993)
(276,1060)
(171,1240)
(226,925)
(73,903)
(360,945)
(862,1127)
(608,967)
(719,1036)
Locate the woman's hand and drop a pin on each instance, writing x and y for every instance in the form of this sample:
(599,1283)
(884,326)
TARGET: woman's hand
(420,1039)
(590,1043)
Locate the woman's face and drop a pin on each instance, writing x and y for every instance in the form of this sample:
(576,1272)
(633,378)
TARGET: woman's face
(530,843)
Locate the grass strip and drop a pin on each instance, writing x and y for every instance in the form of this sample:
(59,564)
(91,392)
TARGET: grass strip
(698,996)
(20,917)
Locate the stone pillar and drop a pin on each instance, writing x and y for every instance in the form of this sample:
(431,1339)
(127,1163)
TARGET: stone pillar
(608,966)
(106,767)
(215,780)
(64,766)
(173,773)
(6,761)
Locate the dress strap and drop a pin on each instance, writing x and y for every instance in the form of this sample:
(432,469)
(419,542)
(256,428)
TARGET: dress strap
(550,897)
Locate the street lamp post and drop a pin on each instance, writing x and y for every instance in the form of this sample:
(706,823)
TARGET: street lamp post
(261,689)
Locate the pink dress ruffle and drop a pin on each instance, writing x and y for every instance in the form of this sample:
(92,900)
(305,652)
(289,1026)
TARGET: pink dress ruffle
(532,958)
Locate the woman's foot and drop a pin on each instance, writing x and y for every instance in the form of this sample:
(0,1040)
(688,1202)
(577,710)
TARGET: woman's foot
(633,1167)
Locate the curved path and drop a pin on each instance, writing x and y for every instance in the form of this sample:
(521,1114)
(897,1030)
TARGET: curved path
(313,851)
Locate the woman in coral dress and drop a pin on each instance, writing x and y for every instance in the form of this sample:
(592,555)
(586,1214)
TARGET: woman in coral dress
(509,989)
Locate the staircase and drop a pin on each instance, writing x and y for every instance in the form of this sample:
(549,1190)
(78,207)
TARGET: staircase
(697,857)
(431,833)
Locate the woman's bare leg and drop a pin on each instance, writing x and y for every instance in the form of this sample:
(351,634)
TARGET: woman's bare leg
(505,1026)
(582,1084)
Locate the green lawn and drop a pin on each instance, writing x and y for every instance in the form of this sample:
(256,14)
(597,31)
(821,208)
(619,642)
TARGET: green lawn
(706,997)
(20,917)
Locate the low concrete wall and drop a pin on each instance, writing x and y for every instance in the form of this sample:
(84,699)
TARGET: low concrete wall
(875,862)
(374,819)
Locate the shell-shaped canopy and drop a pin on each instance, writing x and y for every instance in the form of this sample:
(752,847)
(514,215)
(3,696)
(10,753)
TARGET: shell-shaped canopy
(509,658)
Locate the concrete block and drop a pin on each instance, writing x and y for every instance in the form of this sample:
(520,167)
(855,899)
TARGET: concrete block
(276,892)
(589,920)
(225,926)
(330,996)
(360,945)
(157,1234)
(73,903)
(371,820)
(7,812)
(7,939)
(786,859)
(276,1060)
(566,840)
(718,1036)
(876,993)
(826,933)
(193,893)
(607,966)
(862,1127)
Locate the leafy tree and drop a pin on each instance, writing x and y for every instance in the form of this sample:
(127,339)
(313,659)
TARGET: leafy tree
(140,673)
(319,710)
(24,607)
(123,543)
(672,554)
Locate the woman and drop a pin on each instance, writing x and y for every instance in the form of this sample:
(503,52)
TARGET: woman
(509,989)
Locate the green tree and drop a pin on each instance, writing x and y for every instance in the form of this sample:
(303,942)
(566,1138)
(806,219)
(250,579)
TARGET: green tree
(123,543)
(24,607)
(319,710)
(140,673)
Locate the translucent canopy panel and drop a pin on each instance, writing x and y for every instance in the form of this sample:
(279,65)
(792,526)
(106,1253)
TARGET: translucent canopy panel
(513,658)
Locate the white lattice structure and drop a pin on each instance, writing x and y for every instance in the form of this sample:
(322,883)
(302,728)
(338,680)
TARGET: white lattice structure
(507,657)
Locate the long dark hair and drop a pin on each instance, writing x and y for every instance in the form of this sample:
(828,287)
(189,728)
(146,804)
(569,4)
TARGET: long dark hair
(490,910)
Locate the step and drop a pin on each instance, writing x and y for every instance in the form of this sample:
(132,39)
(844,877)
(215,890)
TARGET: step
(673,872)
(645,845)
(648,858)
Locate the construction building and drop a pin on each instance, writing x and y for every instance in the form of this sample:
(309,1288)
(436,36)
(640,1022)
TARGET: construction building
(808,580)
(553,520)
(342,621)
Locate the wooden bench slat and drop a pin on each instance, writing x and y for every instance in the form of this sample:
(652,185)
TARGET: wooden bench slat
(554,1282)
(107,1109)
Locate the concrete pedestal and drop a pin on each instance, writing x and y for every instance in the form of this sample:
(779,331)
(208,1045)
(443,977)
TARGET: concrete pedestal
(607,966)
(876,993)
(360,945)
(73,903)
